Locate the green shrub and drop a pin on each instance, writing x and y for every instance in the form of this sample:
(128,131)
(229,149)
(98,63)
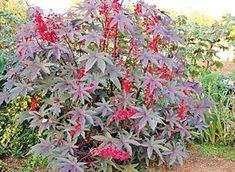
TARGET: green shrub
(221,124)
(16,139)
(32,164)
(9,23)
(213,84)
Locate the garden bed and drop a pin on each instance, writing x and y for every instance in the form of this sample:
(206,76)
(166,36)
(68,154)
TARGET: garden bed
(209,158)
(203,158)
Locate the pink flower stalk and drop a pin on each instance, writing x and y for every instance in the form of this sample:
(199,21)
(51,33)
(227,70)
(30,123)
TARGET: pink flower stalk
(126,84)
(133,46)
(116,6)
(181,109)
(104,10)
(154,44)
(148,95)
(123,114)
(150,22)
(138,9)
(42,27)
(164,72)
(114,153)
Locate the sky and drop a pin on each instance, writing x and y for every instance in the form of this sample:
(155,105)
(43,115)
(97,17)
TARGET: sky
(213,8)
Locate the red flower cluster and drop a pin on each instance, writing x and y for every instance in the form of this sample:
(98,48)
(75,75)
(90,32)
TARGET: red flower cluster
(42,28)
(126,84)
(164,72)
(121,62)
(80,73)
(34,105)
(110,32)
(138,9)
(114,153)
(154,44)
(148,95)
(104,10)
(149,22)
(89,89)
(181,109)
(123,114)
(116,6)
(76,129)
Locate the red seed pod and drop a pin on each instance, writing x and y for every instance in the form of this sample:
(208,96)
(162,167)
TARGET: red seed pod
(138,9)
(181,109)
(34,105)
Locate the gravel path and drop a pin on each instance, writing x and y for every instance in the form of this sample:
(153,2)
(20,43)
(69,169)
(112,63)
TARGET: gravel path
(206,164)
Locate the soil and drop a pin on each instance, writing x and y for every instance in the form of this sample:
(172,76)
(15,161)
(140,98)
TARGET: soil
(206,164)
(16,163)
(228,67)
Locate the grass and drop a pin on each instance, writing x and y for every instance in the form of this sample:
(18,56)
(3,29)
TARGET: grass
(32,164)
(217,150)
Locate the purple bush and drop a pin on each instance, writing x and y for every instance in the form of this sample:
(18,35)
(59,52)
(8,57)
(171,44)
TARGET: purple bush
(115,90)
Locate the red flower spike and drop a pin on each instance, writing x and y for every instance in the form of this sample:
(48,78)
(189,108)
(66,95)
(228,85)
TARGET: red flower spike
(110,32)
(164,72)
(72,133)
(149,22)
(43,25)
(148,95)
(154,44)
(126,84)
(104,10)
(133,46)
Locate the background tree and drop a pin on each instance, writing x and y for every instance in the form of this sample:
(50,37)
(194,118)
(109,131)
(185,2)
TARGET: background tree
(12,16)
(202,44)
